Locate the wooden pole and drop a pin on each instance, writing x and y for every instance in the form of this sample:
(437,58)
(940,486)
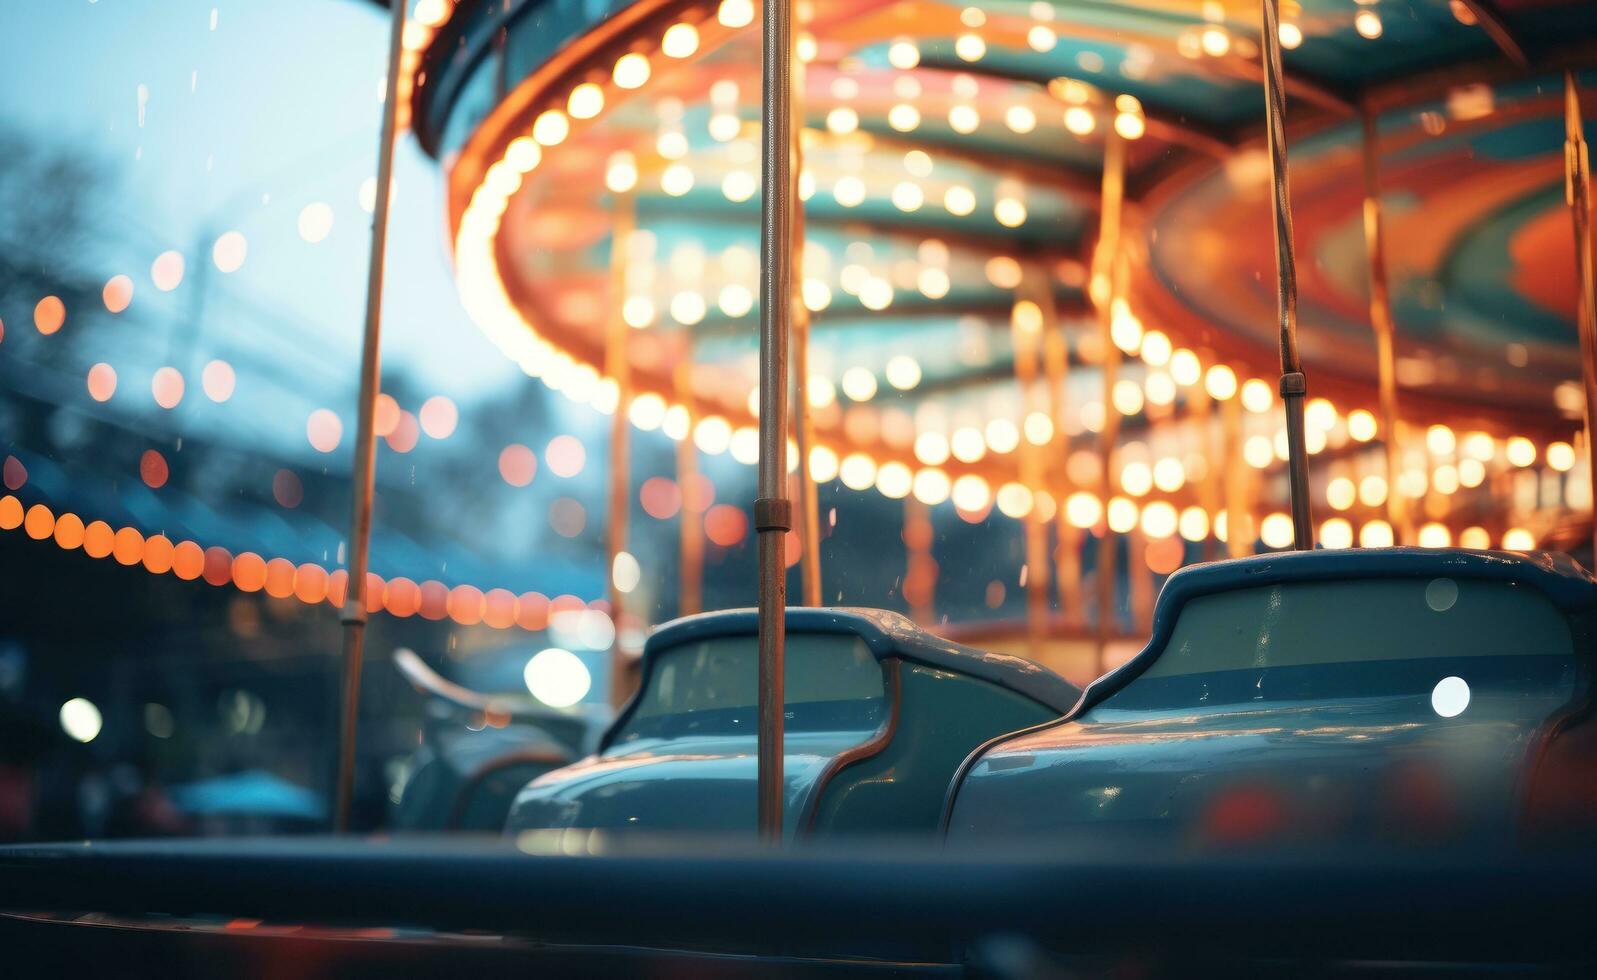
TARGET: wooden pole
(363,478)
(804,425)
(690,523)
(1294,388)
(1577,170)
(1102,291)
(618,370)
(1025,337)
(1385,330)
(773,512)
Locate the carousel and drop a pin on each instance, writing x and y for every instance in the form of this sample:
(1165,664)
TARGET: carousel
(1034,283)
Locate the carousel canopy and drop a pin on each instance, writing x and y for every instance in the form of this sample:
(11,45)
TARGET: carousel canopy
(970,338)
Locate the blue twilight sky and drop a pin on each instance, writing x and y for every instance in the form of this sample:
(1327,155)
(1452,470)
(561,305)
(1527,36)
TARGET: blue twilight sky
(216,115)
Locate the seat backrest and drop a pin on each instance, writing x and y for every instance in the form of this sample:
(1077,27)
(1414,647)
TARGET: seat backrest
(867,694)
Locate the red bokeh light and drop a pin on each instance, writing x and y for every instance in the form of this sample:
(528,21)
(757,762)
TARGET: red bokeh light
(15,473)
(287,489)
(153,469)
(661,497)
(698,493)
(405,435)
(726,525)
(517,464)
(434,600)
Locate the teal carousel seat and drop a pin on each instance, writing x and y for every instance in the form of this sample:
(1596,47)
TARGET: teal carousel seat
(879,715)
(1380,697)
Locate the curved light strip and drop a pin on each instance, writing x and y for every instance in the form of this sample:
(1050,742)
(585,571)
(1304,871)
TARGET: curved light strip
(280,578)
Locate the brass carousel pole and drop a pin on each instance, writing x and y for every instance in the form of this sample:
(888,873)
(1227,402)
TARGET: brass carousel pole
(362,483)
(1577,187)
(1056,367)
(1293,385)
(804,426)
(773,512)
(1102,291)
(1238,523)
(615,365)
(690,554)
(920,568)
(1381,321)
(1024,338)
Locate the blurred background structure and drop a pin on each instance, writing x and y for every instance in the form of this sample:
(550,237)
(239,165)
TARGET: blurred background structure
(1038,289)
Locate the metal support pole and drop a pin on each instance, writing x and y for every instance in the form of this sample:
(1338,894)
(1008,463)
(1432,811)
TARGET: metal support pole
(1025,338)
(1211,440)
(1293,385)
(803,425)
(1577,191)
(773,512)
(1056,368)
(1238,522)
(690,523)
(618,370)
(353,615)
(1385,330)
(1102,291)
(920,568)
(1139,582)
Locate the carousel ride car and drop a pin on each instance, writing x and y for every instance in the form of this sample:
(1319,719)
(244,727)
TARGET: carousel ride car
(879,716)
(1297,722)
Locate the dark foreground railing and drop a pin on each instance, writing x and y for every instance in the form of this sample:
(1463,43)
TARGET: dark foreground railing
(914,907)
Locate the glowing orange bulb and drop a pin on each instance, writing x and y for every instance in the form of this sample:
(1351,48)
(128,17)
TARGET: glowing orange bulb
(69,531)
(167,387)
(249,572)
(11,514)
(324,430)
(532,611)
(49,314)
(438,417)
(117,294)
(218,381)
(310,583)
(466,605)
(499,608)
(127,547)
(517,465)
(188,561)
(167,271)
(102,382)
(280,578)
(159,554)
(39,523)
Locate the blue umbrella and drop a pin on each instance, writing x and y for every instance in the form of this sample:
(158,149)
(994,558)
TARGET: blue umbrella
(254,792)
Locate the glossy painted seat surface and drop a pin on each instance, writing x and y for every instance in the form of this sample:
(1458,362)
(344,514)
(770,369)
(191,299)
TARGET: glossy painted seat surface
(879,715)
(1383,696)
